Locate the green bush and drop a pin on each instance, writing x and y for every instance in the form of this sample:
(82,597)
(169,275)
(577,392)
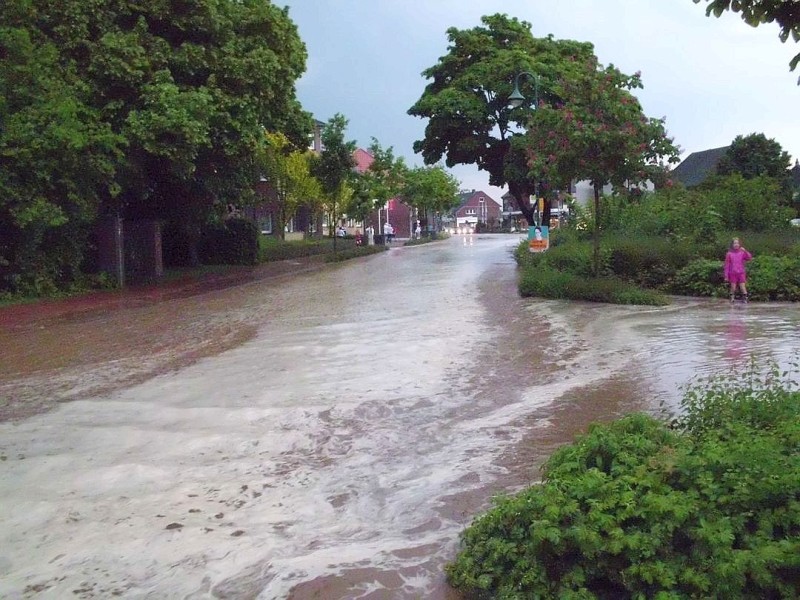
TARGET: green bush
(648,261)
(543,281)
(748,204)
(774,278)
(635,509)
(702,277)
(277,249)
(354,252)
(232,242)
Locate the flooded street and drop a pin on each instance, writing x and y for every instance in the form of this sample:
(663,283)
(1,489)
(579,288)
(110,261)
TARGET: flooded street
(325,435)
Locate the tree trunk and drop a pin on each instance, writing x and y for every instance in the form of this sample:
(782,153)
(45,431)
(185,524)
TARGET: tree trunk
(281,224)
(596,250)
(521,195)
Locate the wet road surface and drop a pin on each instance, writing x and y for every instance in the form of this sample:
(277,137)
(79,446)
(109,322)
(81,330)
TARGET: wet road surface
(327,435)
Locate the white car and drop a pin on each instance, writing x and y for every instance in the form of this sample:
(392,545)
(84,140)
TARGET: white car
(795,222)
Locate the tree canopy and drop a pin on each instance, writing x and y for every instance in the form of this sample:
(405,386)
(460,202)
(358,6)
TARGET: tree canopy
(597,133)
(288,172)
(335,164)
(149,109)
(466,101)
(382,180)
(755,155)
(786,13)
(431,189)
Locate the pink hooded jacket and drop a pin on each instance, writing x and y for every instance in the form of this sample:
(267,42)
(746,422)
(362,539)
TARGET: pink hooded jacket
(734,262)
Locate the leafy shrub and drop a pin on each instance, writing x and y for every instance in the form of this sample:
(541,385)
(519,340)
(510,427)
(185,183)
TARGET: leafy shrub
(355,252)
(648,261)
(702,277)
(774,278)
(277,249)
(232,242)
(635,509)
(748,204)
(546,282)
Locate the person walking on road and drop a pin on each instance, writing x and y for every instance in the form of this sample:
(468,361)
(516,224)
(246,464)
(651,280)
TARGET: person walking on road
(735,272)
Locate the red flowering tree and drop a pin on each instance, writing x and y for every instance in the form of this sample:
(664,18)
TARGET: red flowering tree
(598,132)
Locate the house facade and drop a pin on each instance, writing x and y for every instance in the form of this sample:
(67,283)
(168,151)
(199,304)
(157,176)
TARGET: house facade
(476,207)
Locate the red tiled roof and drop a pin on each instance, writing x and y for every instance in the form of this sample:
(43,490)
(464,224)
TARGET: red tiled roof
(363,160)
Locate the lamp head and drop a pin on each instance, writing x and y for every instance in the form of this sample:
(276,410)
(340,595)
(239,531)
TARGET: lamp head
(516,98)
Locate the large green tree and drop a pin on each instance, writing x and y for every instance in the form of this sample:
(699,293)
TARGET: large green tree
(287,170)
(382,180)
(786,13)
(755,155)
(466,102)
(598,133)
(431,190)
(58,161)
(334,166)
(188,86)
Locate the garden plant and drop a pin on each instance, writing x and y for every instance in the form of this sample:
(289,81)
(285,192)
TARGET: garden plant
(703,505)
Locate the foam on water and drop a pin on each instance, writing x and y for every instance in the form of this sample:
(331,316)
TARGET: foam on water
(332,447)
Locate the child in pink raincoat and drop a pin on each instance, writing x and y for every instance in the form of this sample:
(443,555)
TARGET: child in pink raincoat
(734,268)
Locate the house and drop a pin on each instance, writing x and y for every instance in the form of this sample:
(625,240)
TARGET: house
(476,207)
(794,175)
(698,166)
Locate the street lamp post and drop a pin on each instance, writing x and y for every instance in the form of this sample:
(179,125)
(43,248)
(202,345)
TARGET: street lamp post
(516,99)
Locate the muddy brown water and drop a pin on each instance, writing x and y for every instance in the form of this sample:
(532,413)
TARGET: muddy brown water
(324,435)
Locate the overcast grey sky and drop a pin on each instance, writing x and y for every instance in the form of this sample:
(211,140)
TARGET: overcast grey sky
(713,79)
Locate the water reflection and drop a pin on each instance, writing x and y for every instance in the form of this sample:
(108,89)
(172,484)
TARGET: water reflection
(736,337)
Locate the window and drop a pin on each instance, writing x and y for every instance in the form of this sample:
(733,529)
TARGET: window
(266,224)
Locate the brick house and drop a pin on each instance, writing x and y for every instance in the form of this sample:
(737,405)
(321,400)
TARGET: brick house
(476,207)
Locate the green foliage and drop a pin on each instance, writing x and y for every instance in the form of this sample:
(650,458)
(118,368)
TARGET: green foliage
(354,252)
(701,277)
(272,249)
(774,278)
(748,204)
(635,509)
(756,156)
(465,101)
(650,262)
(123,107)
(598,132)
(431,189)
(232,242)
(426,239)
(333,168)
(542,280)
(768,278)
(755,12)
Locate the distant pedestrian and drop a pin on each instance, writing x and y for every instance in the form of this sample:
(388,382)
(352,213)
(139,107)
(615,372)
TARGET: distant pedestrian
(418,231)
(735,272)
(388,230)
